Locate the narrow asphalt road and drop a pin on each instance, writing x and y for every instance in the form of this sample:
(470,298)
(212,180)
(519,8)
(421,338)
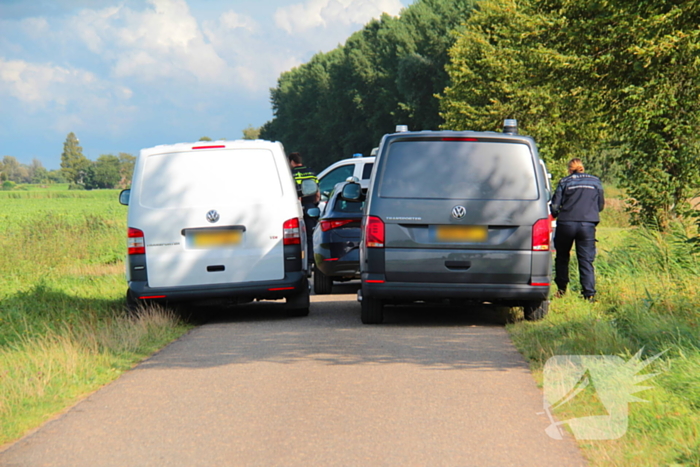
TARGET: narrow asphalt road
(431,387)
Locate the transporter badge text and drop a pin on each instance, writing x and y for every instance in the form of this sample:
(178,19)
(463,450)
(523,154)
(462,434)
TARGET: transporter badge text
(404,218)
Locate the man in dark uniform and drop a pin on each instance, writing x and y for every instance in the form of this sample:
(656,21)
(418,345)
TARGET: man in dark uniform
(301,173)
(576,205)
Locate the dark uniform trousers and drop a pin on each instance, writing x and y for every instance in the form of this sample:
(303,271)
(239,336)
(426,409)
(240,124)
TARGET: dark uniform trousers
(583,233)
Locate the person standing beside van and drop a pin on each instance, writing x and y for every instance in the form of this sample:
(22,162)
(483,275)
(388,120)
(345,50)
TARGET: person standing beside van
(301,173)
(576,205)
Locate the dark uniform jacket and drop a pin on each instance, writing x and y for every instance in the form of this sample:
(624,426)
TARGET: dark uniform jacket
(578,198)
(303,173)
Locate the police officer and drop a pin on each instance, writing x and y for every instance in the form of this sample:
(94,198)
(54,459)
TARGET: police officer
(576,205)
(301,173)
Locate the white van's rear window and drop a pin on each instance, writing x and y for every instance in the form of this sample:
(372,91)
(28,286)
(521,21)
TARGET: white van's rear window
(197,178)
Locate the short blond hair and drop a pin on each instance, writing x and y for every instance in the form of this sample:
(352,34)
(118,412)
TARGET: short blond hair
(576,166)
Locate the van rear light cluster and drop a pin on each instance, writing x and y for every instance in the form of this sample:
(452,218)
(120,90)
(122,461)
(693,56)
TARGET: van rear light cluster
(374,232)
(291,233)
(135,242)
(334,224)
(541,235)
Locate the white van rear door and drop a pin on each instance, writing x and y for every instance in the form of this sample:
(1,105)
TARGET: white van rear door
(213,217)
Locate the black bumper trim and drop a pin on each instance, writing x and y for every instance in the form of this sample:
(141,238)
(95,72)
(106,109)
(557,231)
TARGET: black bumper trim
(291,285)
(422,291)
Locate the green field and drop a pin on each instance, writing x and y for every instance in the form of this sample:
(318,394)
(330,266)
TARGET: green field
(63,329)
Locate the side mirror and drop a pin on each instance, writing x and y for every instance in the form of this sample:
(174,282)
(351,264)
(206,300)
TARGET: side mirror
(124,197)
(352,192)
(308,187)
(313,212)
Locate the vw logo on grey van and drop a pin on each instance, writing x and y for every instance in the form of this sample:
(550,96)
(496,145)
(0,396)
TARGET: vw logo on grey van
(458,212)
(213,216)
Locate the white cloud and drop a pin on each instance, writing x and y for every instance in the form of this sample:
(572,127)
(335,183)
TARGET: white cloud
(163,41)
(327,14)
(39,85)
(233,20)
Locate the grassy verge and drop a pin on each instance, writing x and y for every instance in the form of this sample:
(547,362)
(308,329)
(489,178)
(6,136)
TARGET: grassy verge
(63,330)
(648,299)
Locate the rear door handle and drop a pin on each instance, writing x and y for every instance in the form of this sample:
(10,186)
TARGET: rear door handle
(458,264)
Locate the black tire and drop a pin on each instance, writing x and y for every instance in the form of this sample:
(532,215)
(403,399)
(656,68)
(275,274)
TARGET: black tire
(323,285)
(132,304)
(534,311)
(298,305)
(372,311)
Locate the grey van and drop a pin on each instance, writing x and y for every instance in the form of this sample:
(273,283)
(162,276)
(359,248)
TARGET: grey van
(457,216)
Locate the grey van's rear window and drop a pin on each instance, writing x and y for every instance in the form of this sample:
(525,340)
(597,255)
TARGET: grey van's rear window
(205,178)
(459,170)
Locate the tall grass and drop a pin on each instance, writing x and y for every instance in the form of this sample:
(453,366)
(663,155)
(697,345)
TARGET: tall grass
(647,299)
(63,330)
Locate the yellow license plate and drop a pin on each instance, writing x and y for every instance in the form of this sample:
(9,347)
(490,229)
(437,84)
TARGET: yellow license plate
(217,238)
(462,233)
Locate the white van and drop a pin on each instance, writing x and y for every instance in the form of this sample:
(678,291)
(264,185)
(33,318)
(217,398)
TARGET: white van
(216,220)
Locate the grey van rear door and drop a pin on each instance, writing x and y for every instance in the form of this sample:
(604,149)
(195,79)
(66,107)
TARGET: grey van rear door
(458,210)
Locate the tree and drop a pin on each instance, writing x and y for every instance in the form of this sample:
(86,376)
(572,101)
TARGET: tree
(205,138)
(103,173)
(73,163)
(590,79)
(250,132)
(126,170)
(343,102)
(37,173)
(13,169)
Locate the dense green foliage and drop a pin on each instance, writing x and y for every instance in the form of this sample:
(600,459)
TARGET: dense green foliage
(594,80)
(343,101)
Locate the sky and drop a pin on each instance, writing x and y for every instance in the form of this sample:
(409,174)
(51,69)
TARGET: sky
(125,74)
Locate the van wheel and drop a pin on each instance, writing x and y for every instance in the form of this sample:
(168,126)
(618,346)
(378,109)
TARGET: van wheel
(322,283)
(132,304)
(372,311)
(534,311)
(298,305)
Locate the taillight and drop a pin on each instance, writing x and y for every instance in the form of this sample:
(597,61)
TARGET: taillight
(291,232)
(334,224)
(374,232)
(541,235)
(135,242)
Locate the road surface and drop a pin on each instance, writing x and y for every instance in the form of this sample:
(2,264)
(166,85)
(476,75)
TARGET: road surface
(433,386)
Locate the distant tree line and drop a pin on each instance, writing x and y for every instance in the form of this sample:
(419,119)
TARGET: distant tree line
(11,170)
(615,82)
(108,171)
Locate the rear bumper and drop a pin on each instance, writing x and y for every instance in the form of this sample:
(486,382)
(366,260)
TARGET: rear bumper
(402,291)
(344,269)
(292,284)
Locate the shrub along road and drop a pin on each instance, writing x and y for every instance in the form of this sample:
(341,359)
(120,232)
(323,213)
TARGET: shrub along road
(432,386)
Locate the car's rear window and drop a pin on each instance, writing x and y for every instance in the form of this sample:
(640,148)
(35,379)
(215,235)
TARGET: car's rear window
(202,178)
(459,170)
(345,206)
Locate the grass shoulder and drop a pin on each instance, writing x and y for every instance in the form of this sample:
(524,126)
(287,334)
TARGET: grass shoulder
(63,329)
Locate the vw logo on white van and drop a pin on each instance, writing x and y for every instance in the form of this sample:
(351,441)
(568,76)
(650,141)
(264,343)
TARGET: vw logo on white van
(213,216)
(458,212)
